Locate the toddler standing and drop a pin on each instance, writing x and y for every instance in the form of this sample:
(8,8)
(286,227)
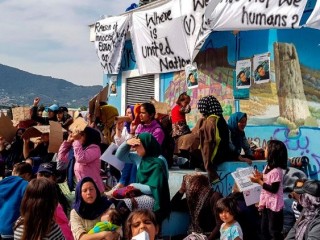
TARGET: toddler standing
(228,212)
(271,199)
(178,116)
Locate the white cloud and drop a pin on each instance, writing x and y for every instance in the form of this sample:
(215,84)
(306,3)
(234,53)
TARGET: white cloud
(51,37)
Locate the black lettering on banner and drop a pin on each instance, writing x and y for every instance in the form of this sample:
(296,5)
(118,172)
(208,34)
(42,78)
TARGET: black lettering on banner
(204,26)
(104,47)
(115,27)
(263,19)
(156,19)
(189,24)
(201,3)
(105,57)
(289,2)
(108,66)
(175,63)
(108,43)
(104,38)
(295,19)
(156,49)
(260,1)
(98,27)
(153,33)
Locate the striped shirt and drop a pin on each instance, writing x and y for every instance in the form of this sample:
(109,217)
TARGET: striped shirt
(54,234)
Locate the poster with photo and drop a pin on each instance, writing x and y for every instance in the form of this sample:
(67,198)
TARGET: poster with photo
(243,72)
(113,85)
(191,75)
(261,68)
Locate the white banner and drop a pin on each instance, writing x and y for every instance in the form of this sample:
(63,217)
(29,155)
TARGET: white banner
(159,40)
(110,38)
(228,15)
(192,13)
(314,19)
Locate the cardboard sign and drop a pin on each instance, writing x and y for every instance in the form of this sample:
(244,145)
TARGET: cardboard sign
(36,131)
(55,137)
(7,130)
(109,157)
(101,97)
(92,104)
(20,113)
(161,107)
(78,125)
(103,94)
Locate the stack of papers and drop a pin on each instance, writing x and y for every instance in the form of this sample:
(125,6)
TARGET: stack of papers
(251,191)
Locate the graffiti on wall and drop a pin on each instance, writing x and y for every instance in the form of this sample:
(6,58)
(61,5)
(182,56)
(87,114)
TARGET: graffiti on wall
(305,143)
(214,78)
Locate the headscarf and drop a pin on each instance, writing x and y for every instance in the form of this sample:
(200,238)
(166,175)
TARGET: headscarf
(92,137)
(136,112)
(90,211)
(197,192)
(209,105)
(236,134)
(127,124)
(152,172)
(311,210)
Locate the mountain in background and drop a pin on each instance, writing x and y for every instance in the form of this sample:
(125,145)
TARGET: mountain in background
(19,87)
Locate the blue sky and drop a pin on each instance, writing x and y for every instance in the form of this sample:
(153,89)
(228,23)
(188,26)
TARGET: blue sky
(51,37)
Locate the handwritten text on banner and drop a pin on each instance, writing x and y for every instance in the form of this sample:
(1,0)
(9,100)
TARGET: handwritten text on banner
(110,37)
(158,39)
(254,14)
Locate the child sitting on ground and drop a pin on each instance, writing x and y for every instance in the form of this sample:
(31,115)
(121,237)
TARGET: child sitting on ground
(228,213)
(110,221)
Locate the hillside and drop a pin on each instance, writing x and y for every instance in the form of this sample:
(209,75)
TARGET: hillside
(19,87)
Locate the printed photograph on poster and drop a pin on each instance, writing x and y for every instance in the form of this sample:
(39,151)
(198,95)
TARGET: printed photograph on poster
(113,86)
(261,68)
(243,73)
(191,75)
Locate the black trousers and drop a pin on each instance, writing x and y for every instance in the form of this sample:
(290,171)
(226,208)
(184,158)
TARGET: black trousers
(271,225)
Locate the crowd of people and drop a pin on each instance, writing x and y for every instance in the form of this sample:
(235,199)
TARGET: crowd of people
(35,205)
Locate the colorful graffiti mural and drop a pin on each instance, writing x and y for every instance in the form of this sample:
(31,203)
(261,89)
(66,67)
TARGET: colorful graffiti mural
(303,144)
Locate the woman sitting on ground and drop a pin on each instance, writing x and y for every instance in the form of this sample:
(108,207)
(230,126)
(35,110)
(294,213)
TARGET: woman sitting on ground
(152,173)
(88,208)
(200,202)
(148,124)
(238,140)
